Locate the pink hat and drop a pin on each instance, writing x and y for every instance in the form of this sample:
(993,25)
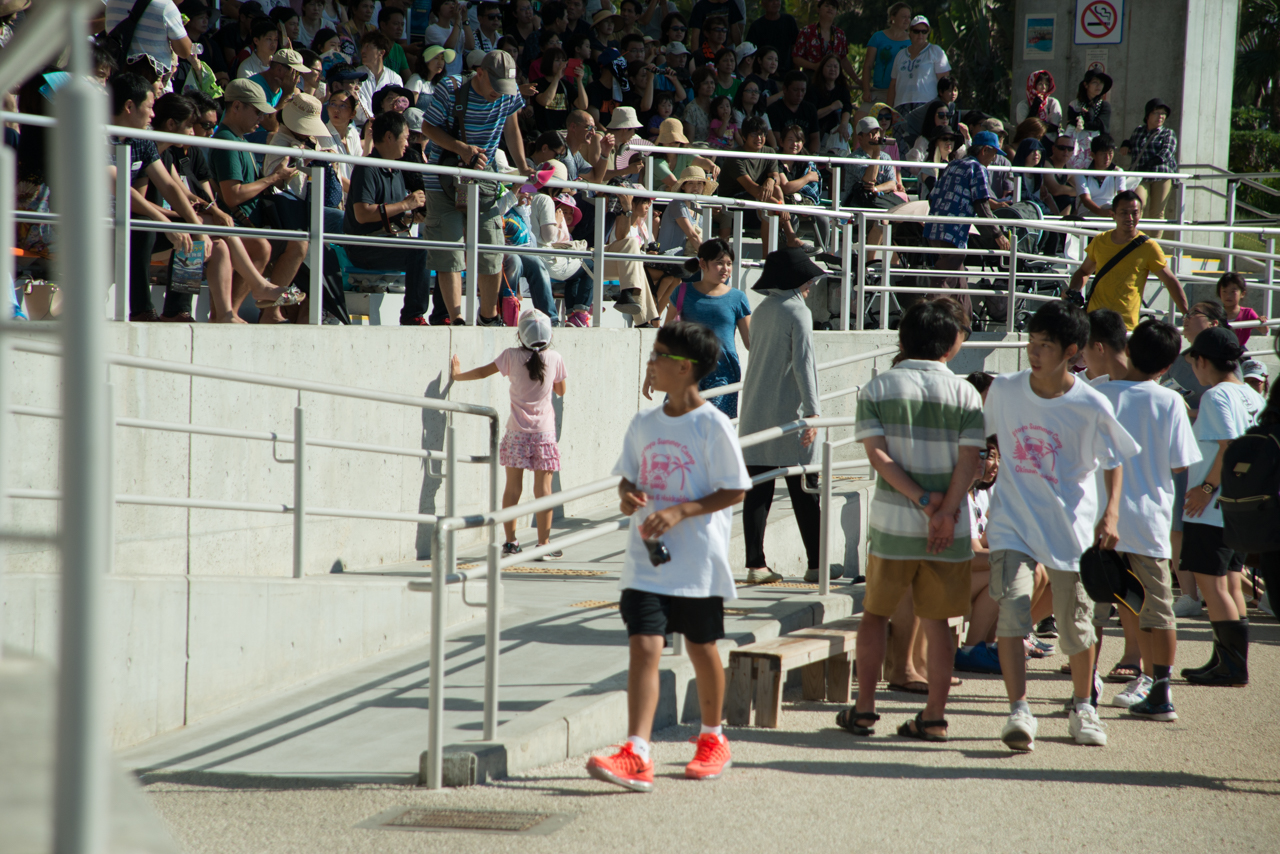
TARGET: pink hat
(573,213)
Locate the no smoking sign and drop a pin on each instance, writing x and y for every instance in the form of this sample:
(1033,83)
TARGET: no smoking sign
(1099,21)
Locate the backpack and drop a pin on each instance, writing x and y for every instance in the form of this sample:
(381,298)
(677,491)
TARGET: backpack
(1250,496)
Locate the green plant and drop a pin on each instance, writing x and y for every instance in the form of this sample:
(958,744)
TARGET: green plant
(1257,78)
(1257,151)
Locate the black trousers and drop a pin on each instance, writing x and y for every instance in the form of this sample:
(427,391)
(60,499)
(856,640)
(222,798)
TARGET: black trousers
(755,513)
(142,245)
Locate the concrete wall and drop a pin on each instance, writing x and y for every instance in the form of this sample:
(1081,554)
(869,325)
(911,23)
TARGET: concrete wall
(1182,51)
(205,613)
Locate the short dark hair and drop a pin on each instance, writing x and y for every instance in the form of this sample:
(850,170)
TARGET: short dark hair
(553,11)
(753,124)
(1125,196)
(795,76)
(549,57)
(929,328)
(550,139)
(946,84)
(173,107)
(692,341)
(309,56)
(835,3)
(635,4)
(1153,346)
(710,250)
(1231,279)
(626,41)
(378,39)
(722,53)
(1106,327)
(282,14)
(389,122)
(487,7)
(385,13)
(125,87)
(322,35)
(981,380)
(1064,323)
(573,41)
(203,103)
(101,57)
(1212,310)
(261,26)
(1102,142)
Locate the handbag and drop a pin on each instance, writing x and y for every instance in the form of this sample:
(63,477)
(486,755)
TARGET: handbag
(455,189)
(509,302)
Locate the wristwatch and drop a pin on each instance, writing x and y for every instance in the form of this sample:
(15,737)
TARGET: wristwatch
(1208,488)
(924,500)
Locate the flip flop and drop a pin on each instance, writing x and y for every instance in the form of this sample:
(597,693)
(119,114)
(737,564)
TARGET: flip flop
(1123,673)
(921,725)
(910,687)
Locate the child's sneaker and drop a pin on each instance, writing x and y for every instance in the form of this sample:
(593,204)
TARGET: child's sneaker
(1019,731)
(711,759)
(1187,606)
(624,769)
(1086,727)
(580,319)
(1153,711)
(1048,628)
(1135,692)
(509,549)
(1070,704)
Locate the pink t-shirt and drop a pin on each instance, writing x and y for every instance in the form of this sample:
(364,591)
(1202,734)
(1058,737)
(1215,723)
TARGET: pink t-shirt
(1246,313)
(531,410)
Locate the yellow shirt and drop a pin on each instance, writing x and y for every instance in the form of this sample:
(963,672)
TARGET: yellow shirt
(1121,289)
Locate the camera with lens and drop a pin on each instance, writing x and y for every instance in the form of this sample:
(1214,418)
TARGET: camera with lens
(658,553)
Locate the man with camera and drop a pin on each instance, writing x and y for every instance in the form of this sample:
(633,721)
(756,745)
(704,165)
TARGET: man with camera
(466,134)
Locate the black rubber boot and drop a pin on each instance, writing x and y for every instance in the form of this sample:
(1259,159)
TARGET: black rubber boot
(1190,672)
(1233,656)
(626,302)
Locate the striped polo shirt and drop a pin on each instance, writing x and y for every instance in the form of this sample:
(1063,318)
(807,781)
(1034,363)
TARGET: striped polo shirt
(485,120)
(925,413)
(160,23)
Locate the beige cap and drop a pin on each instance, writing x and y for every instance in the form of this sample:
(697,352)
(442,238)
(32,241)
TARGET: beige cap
(501,69)
(248,92)
(290,57)
(302,115)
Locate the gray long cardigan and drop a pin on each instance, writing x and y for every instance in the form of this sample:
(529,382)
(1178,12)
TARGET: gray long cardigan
(782,378)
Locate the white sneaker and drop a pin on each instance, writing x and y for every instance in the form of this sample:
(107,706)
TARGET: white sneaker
(1187,606)
(1135,692)
(764,575)
(1069,704)
(1086,727)
(1019,731)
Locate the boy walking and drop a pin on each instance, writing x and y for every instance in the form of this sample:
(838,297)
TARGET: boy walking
(1053,431)
(682,470)
(922,428)
(1157,419)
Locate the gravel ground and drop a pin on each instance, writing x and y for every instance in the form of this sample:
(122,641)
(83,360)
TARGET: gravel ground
(1209,782)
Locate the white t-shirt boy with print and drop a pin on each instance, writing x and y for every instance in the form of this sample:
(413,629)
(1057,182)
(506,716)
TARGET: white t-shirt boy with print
(1045,502)
(674,460)
(1157,419)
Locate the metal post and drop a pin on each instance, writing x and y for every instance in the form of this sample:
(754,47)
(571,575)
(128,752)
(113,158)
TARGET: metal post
(8,181)
(677,644)
(862,270)
(707,223)
(835,188)
(451,491)
(473,249)
(824,522)
(1017,187)
(771,225)
(315,248)
(441,566)
(648,185)
(597,286)
(1266,303)
(846,270)
(299,490)
(492,637)
(1233,189)
(1009,324)
(888,276)
(111,477)
(80,823)
(122,230)
(738,279)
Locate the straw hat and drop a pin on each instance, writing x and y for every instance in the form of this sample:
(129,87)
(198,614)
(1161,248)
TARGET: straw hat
(604,15)
(302,116)
(671,130)
(695,173)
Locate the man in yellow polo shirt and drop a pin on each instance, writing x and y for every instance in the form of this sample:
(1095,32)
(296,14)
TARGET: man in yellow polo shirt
(1120,288)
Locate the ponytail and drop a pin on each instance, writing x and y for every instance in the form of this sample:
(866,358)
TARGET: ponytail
(537,367)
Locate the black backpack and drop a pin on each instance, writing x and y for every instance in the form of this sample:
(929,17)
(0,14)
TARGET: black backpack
(1250,497)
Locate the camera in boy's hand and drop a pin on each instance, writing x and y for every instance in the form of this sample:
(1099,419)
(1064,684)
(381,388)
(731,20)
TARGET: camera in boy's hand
(658,552)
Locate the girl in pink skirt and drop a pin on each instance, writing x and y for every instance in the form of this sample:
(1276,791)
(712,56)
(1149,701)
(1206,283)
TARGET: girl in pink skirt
(530,441)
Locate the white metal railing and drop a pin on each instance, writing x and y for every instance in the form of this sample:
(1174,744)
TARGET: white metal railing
(847,222)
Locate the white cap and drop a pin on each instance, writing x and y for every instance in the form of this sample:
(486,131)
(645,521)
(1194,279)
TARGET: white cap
(920,19)
(1253,369)
(534,329)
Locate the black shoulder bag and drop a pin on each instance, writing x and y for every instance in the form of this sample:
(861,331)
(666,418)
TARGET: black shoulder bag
(1110,265)
(118,40)
(455,190)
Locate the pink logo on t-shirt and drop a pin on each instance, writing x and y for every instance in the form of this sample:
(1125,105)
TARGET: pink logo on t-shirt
(1035,451)
(665,465)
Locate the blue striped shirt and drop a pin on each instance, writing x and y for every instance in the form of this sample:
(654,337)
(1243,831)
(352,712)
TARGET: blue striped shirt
(485,120)
(161,22)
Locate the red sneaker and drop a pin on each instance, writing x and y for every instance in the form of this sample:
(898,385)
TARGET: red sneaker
(711,759)
(624,768)
(419,320)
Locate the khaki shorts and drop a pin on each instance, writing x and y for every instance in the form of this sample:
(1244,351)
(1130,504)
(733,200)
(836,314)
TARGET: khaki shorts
(442,221)
(1157,606)
(939,588)
(1013,580)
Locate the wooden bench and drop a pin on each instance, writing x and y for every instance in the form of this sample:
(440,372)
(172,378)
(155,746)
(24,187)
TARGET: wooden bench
(758,671)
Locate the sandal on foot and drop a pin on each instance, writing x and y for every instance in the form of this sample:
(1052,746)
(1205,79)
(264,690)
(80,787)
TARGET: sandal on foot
(921,725)
(1123,673)
(291,296)
(848,719)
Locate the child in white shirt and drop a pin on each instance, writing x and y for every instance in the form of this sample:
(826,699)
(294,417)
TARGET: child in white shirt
(1053,432)
(682,471)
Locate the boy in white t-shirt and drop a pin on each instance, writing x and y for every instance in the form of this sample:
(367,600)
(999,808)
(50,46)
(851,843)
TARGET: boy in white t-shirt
(1157,419)
(1053,432)
(682,471)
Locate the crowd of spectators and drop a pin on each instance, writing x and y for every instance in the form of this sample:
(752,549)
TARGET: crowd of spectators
(569,90)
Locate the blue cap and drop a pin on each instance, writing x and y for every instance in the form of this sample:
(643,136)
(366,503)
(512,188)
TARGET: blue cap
(985,138)
(609,56)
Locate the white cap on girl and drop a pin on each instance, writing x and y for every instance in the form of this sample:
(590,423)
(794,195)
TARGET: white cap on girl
(534,329)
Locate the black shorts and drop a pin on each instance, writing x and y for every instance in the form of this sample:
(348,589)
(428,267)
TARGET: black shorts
(1203,551)
(699,620)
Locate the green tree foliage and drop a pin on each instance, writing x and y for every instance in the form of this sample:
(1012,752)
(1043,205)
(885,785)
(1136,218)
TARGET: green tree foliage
(1257,78)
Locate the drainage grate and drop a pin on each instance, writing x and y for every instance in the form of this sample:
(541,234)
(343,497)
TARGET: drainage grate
(792,585)
(467,821)
(551,570)
(594,603)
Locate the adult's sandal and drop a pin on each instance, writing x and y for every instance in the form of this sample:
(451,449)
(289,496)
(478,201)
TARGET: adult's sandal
(919,728)
(291,296)
(851,719)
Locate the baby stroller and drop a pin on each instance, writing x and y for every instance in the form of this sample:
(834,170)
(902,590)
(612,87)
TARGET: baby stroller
(990,311)
(904,234)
